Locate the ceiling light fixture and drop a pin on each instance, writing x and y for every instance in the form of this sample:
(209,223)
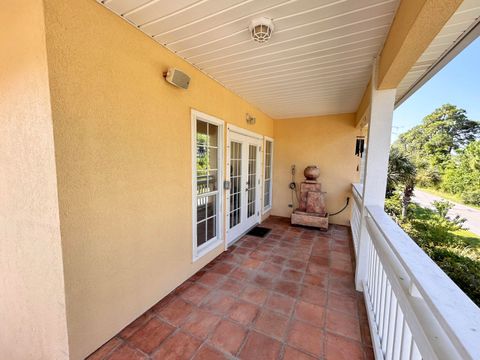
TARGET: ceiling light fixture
(261,29)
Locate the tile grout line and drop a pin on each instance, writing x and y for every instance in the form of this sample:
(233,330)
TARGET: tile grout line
(265,249)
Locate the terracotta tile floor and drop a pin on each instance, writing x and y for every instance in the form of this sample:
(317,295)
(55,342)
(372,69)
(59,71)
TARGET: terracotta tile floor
(289,295)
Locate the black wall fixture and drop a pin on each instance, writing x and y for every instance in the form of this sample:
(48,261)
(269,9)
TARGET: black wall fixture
(360,146)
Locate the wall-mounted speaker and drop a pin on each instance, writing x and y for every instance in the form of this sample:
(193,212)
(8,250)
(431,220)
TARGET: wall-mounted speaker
(177,78)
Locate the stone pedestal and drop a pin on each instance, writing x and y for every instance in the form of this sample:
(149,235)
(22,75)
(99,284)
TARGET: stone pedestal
(310,219)
(311,210)
(305,189)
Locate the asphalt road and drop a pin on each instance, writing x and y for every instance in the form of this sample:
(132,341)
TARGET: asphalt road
(471,214)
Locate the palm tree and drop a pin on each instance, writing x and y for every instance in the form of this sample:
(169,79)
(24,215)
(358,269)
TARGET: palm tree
(401,173)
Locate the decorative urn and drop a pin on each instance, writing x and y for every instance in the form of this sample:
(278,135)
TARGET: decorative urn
(311,173)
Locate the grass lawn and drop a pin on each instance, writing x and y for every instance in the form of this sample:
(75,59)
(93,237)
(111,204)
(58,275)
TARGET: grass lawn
(469,238)
(447,196)
(464,236)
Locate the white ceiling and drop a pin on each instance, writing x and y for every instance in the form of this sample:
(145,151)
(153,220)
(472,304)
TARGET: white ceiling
(318,60)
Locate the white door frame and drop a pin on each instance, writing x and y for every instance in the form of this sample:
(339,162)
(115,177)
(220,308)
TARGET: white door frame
(258,140)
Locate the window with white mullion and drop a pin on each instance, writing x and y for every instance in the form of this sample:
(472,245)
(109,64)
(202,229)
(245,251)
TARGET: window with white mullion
(207,182)
(267,190)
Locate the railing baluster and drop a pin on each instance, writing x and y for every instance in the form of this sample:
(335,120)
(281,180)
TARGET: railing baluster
(370,267)
(379,289)
(397,347)
(380,302)
(406,347)
(386,319)
(382,305)
(392,325)
(375,277)
(415,355)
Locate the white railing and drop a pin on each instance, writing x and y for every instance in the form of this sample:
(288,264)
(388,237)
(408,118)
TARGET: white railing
(415,310)
(356,216)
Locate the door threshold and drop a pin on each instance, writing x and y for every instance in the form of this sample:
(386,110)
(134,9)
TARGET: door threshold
(231,242)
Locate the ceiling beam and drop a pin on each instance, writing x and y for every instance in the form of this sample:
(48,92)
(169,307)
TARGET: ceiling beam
(414,27)
(363,106)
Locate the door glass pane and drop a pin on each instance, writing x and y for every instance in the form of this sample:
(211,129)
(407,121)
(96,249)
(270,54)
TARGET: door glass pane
(202,132)
(212,158)
(211,205)
(201,232)
(202,158)
(202,184)
(211,228)
(268,151)
(268,175)
(212,181)
(266,201)
(235,181)
(201,209)
(252,179)
(212,135)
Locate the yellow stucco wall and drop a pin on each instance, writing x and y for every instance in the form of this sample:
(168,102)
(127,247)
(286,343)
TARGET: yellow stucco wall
(122,145)
(32,301)
(326,141)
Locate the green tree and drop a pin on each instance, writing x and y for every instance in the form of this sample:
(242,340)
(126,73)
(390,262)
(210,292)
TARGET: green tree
(431,144)
(401,175)
(462,175)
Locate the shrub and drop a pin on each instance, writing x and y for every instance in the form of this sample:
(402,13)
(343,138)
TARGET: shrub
(393,206)
(442,207)
(429,228)
(429,177)
(432,232)
(472,197)
(464,271)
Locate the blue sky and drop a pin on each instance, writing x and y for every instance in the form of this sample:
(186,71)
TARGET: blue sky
(457,83)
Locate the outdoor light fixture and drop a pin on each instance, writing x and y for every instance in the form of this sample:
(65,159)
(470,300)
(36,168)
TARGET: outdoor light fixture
(261,29)
(251,120)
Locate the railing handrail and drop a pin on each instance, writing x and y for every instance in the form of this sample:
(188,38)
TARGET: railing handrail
(458,316)
(356,217)
(357,190)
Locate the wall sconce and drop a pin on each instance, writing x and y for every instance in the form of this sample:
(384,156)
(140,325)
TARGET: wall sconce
(251,120)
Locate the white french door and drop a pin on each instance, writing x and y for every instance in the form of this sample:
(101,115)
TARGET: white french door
(244,174)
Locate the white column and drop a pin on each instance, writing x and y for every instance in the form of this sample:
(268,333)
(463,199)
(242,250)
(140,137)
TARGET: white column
(376,165)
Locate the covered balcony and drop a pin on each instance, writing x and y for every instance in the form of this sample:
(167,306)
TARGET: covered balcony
(289,295)
(143,139)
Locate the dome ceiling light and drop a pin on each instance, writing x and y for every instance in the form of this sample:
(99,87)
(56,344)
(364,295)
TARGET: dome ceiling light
(261,29)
